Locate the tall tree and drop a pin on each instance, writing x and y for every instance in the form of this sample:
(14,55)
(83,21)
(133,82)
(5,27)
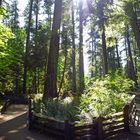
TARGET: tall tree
(131,63)
(81,59)
(0,2)
(65,43)
(36,42)
(73,51)
(50,89)
(130,10)
(105,59)
(117,53)
(27,48)
(101,6)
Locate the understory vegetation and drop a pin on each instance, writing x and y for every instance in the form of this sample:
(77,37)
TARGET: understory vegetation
(102,97)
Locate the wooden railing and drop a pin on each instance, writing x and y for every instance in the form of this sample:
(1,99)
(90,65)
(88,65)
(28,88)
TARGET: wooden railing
(113,125)
(88,131)
(101,128)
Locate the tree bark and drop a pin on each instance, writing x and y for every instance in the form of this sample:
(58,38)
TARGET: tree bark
(132,69)
(27,48)
(136,30)
(92,57)
(81,59)
(0,2)
(36,45)
(73,52)
(117,52)
(135,57)
(38,80)
(51,77)
(130,10)
(96,67)
(65,62)
(105,58)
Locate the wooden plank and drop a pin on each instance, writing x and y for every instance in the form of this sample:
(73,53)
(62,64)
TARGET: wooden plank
(131,103)
(50,122)
(133,109)
(114,122)
(113,128)
(114,133)
(85,126)
(49,129)
(48,119)
(88,131)
(137,101)
(100,129)
(68,131)
(126,117)
(116,115)
(86,137)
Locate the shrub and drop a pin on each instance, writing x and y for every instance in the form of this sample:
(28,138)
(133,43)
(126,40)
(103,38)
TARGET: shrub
(102,97)
(60,109)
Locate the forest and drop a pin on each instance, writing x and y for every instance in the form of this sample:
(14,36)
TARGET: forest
(77,59)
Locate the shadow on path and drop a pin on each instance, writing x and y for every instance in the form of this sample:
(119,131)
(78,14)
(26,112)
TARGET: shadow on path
(13,126)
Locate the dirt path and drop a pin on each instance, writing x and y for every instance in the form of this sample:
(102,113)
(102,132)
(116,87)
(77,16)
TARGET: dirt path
(13,125)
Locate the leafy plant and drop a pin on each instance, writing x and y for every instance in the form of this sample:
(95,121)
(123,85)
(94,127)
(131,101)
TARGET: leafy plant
(103,97)
(61,109)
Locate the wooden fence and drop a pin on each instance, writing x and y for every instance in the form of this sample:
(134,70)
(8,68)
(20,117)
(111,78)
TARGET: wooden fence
(101,128)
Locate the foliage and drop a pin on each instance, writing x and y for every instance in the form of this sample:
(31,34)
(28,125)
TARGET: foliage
(103,97)
(12,39)
(60,109)
(5,35)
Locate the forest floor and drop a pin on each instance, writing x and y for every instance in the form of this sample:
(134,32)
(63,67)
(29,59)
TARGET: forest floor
(13,125)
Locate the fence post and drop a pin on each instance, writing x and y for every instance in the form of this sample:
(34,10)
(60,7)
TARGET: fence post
(68,130)
(100,128)
(126,117)
(30,114)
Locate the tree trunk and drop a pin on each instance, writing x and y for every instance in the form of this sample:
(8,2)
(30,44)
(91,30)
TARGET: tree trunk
(34,82)
(51,77)
(135,56)
(105,60)
(132,69)
(36,45)
(117,52)
(65,62)
(92,57)
(96,71)
(0,2)
(136,30)
(81,61)
(16,84)
(47,49)
(126,50)
(27,49)
(130,10)
(38,80)
(73,52)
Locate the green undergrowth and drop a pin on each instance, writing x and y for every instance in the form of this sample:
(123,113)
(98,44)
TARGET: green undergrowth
(102,97)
